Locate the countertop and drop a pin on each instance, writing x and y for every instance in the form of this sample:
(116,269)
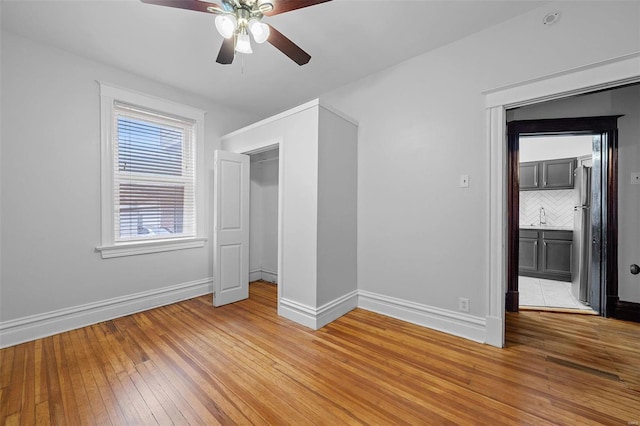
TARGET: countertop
(546,228)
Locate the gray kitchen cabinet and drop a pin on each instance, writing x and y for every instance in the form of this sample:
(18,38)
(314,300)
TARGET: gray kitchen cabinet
(547,175)
(545,254)
(558,174)
(529,175)
(528,253)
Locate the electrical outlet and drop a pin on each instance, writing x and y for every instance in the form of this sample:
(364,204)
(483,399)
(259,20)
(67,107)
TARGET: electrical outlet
(635,178)
(464,181)
(463,304)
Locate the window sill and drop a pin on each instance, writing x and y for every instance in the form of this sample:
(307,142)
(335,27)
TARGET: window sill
(146,247)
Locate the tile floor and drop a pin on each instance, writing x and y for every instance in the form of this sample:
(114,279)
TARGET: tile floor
(547,293)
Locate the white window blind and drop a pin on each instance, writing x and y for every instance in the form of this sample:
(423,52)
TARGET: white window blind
(153,176)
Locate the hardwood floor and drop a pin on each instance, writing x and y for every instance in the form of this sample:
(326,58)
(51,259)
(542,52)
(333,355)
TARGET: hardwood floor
(190,363)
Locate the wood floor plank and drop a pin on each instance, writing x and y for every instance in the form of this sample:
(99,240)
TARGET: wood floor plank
(191,363)
(28,409)
(40,387)
(43,416)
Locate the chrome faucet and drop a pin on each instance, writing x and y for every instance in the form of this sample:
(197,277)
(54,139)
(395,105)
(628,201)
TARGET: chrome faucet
(543,216)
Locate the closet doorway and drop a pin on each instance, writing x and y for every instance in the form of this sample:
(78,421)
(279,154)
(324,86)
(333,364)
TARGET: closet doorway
(263,217)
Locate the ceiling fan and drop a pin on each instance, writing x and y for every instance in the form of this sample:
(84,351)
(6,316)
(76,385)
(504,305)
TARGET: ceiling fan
(237,18)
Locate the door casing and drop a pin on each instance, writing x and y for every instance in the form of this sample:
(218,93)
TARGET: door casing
(607,242)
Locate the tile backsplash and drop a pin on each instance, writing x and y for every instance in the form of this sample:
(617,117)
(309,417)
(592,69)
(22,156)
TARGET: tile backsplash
(558,206)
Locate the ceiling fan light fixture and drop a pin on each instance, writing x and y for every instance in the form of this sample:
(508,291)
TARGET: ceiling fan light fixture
(243,45)
(259,30)
(265,6)
(226,25)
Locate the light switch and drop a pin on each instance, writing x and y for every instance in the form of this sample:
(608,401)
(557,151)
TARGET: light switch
(635,178)
(464,181)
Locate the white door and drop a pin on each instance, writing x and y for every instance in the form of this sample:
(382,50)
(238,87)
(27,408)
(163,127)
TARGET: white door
(231,228)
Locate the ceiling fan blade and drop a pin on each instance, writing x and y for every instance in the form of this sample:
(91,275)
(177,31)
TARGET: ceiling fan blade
(227,51)
(286,46)
(197,5)
(282,6)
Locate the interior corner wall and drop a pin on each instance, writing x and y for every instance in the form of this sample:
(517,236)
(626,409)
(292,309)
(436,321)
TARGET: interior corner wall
(423,123)
(337,207)
(51,186)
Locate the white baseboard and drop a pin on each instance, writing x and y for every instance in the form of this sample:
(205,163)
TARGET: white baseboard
(269,276)
(33,327)
(29,328)
(316,318)
(495,332)
(264,275)
(456,323)
(297,312)
(255,275)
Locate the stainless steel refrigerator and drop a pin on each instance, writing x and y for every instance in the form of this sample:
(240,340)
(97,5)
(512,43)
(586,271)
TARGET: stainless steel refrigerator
(581,259)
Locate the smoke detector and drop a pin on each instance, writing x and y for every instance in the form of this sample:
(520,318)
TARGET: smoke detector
(551,18)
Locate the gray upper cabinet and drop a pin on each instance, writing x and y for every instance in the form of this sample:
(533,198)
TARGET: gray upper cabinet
(529,173)
(550,174)
(558,174)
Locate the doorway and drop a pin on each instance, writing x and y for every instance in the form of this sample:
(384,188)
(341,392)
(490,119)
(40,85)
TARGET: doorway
(263,216)
(232,222)
(555,220)
(552,250)
(608,74)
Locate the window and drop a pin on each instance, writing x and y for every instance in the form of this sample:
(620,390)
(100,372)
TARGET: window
(150,174)
(153,177)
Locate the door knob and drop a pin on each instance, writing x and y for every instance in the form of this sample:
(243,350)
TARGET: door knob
(635,269)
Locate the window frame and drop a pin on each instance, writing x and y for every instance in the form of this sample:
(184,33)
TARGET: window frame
(110,95)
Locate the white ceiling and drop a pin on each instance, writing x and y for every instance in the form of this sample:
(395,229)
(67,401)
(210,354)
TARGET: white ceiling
(347,39)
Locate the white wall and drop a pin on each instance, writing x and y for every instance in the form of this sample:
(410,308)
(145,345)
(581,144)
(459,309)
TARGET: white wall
(337,207)
(421,238)
(537,148)
(51,185)
(263,250)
